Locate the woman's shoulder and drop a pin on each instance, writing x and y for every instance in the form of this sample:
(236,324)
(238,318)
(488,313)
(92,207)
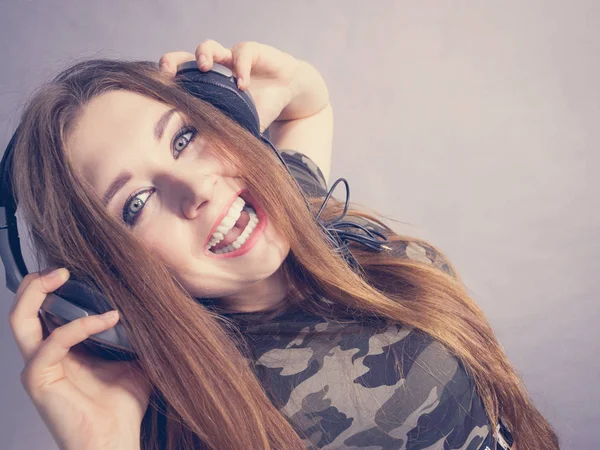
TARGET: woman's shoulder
(311,180)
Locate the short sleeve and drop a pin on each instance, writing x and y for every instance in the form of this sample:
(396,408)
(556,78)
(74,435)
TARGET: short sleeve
(420,251)
(306,172)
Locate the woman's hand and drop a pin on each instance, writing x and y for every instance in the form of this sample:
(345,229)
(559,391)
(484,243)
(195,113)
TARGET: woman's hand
(290,95)
(86,402)
(273,78)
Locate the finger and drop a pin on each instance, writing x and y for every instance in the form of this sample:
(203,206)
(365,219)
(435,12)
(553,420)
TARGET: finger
(245,56)
(55,348)
(23,318)
(211,51)
(169,61)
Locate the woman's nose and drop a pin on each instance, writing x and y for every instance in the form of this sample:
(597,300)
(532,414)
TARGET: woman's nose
(196,193)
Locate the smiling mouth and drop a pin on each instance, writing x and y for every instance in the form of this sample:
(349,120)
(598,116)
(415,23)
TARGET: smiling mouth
(236,227)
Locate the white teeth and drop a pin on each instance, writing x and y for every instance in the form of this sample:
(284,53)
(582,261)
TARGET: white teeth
(241,238)
(228,222)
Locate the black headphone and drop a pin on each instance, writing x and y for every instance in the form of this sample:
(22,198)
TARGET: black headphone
(76,299)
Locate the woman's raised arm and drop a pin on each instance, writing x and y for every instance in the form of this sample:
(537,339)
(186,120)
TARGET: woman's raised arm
(290,95)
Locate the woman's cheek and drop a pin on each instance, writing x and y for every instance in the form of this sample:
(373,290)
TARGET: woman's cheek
(151,236)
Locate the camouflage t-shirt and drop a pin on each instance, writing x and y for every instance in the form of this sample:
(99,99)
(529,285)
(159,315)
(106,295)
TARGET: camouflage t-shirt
(337,381)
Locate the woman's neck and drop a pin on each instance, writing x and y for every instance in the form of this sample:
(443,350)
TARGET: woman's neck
(261,296)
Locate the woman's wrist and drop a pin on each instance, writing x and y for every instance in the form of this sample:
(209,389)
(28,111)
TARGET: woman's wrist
(309,94)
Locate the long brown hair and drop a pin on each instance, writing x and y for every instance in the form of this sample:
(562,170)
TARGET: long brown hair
(205,392)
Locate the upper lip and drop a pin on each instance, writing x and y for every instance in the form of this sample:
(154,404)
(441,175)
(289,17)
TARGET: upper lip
(223,213)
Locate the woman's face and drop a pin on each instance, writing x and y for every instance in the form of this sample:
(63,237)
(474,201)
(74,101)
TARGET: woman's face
(166,182)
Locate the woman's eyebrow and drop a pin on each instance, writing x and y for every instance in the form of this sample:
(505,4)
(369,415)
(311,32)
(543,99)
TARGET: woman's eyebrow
(123,178)
(160,126)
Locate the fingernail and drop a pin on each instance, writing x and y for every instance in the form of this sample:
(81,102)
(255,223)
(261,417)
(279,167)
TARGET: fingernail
(203,61)
(59,273)
(240,80)
(110,315)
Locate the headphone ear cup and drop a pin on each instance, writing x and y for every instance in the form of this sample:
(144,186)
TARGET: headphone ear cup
(75,299)
(218,87)
(84,296)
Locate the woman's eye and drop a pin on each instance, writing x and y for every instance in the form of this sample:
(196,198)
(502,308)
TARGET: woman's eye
(135,204)
(182,140)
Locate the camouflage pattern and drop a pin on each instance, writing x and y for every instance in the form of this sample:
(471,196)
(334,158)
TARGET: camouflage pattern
(364,384)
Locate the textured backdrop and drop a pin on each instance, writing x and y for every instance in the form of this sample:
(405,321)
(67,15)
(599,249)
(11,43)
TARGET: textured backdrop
(476,125)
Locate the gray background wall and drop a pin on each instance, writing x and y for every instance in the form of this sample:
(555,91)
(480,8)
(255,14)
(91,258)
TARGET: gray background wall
(474,123)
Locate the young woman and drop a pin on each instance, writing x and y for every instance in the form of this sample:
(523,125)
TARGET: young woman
(252,331)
